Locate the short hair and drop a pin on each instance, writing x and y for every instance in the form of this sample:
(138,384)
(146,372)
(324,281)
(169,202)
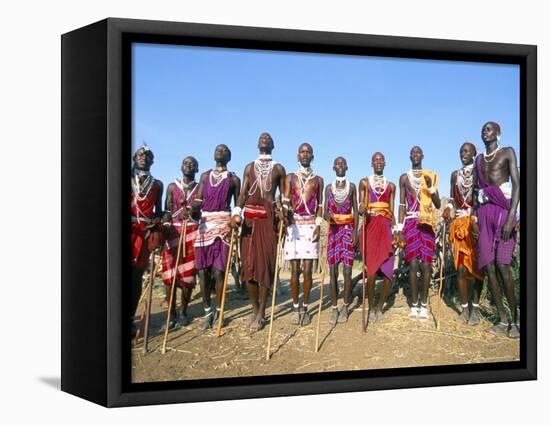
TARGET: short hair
(340,158)
(226,147)
(417,147)
(305,143)
(192,158)
(471,145)
(495,125)
(377,153)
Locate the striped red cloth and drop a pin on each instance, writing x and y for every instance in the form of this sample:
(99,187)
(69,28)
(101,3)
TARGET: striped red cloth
(186,266)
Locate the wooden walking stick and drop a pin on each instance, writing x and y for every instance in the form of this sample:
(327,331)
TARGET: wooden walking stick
(183,234)
(227,268)
(279,238)
(148,301)
(364,243)
(322,284)
(441,276)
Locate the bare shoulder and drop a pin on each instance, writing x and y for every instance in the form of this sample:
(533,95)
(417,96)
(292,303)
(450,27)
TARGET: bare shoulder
(509,151)
(352,187)
(402,178)
(160,184)
(392,186)
(279,168)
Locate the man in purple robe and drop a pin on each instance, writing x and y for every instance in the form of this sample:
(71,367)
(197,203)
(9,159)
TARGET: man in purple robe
(216,189)
(497,202)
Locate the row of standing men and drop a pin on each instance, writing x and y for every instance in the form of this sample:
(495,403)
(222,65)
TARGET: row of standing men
(482,214)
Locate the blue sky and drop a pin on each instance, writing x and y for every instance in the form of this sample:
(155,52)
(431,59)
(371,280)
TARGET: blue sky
(186,100)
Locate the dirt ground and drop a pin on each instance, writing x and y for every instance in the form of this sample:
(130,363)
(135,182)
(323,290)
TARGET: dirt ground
(397,341)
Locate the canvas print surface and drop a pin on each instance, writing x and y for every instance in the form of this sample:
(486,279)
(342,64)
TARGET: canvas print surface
(298,212)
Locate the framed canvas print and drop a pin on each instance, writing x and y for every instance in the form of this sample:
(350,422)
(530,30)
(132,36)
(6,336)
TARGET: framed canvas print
(253,212)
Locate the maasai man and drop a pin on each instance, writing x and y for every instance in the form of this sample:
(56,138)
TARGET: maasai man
(261,180)
(376,201)
(341,214)
(302,200)
(418,189)
(180,196)
(498,201)
(216,189)
(460,235)
(146,209)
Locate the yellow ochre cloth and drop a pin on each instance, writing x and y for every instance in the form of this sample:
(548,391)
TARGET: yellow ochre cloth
(427,211)
(463,244)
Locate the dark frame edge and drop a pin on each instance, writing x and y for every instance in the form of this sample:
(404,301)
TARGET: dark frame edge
(83,285)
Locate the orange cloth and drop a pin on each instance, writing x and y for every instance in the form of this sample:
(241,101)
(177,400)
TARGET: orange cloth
(343,219)
(380,208)
(463,245)
(427,210)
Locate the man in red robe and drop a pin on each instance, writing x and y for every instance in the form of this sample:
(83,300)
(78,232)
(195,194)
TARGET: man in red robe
(146,212)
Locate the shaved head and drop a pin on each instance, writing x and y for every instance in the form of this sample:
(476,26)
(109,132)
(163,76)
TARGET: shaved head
(378,153)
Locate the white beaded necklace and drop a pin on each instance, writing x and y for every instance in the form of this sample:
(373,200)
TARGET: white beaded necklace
(340,194)
(465,183)
(379,185)
(263,167)
(216,177)
(305,174)
(141,190)
(490,157)
(416,182)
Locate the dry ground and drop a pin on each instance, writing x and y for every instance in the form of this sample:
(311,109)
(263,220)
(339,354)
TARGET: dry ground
(397,341)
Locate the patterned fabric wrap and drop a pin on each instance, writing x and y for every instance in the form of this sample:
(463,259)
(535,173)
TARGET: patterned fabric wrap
(186,265)
(299,242)
(185,275)
(142,214)
(340,236)
(491,217)
(419,238)
(214,224)
(299,239)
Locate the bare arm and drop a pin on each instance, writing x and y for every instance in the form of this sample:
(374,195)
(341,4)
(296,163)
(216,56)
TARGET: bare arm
(282,178)
(158,202)
(241,200)
(197,202)
(514,176)
(435,197)
(236,188)
(362,192)
(326,211)
(402,181)
(321,184)
(392,202)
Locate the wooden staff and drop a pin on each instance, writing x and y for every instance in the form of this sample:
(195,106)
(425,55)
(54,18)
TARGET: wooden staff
(279,238)
(227,268)
(148,301)
(364,243)
(323,273)
(441,277)
(183,234)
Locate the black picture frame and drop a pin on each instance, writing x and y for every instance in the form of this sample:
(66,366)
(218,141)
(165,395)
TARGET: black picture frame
(96,117)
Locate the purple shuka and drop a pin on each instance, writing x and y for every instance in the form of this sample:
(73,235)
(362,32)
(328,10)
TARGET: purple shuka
(212,245)
(491,217)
